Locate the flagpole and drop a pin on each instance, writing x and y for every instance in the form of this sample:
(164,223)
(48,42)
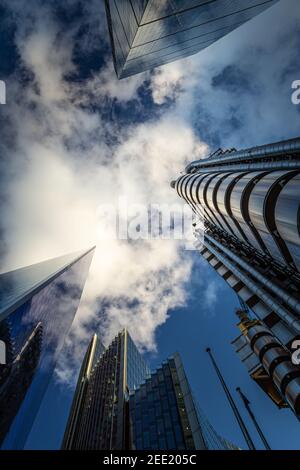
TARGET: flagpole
(234,408)
(252,416)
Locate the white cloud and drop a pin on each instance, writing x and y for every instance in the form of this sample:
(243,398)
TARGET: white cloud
(65,169)
(107,84)
(64,165)
(167,81)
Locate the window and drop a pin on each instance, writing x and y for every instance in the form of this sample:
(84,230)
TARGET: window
(171,440)
(167,421)
(146,440)
(162,443)
(139,443)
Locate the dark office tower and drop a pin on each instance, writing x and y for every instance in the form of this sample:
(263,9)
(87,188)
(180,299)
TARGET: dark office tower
(147,33)
(164,415)
(103,422)
(249,202)
(37,306)
(91,357)
(124,406)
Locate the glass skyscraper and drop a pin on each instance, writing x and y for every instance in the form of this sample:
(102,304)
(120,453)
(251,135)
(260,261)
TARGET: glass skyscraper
(125,406)
(148,33)
(164,414)
(37,306)
(102,422)
(91,357)
(249,203)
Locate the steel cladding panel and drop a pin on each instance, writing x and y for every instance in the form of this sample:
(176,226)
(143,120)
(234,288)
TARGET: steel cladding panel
(146,34)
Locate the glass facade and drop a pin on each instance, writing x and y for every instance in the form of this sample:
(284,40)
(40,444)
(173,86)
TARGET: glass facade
(146,34)
(137,370)
(164,415)
(92,355)
(102,423)
(20,284)
(125,406)
(38,305)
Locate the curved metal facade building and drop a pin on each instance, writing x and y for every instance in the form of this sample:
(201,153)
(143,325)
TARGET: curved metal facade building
(249,201)
(259,208)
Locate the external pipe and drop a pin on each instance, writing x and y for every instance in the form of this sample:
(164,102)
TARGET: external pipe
(289,146)
(285,165)
(287,298)
(291,321)
(276,360)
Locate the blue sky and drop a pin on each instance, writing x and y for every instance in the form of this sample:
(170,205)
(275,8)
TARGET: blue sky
(189,331)
(74,137)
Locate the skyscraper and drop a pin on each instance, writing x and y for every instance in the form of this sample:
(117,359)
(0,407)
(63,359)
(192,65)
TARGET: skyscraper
(165,416)
(91,357)
(37,306)
(127,407)
(147,33)
(249,201)
(103,419)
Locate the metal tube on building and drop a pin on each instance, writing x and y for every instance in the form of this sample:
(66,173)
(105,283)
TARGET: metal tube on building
(250,205)
(270,150)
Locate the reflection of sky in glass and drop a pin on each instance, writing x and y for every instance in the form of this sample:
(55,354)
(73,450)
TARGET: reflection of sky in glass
(14,285)
(35,333)
(164,415)
(149,34)
(137,369)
